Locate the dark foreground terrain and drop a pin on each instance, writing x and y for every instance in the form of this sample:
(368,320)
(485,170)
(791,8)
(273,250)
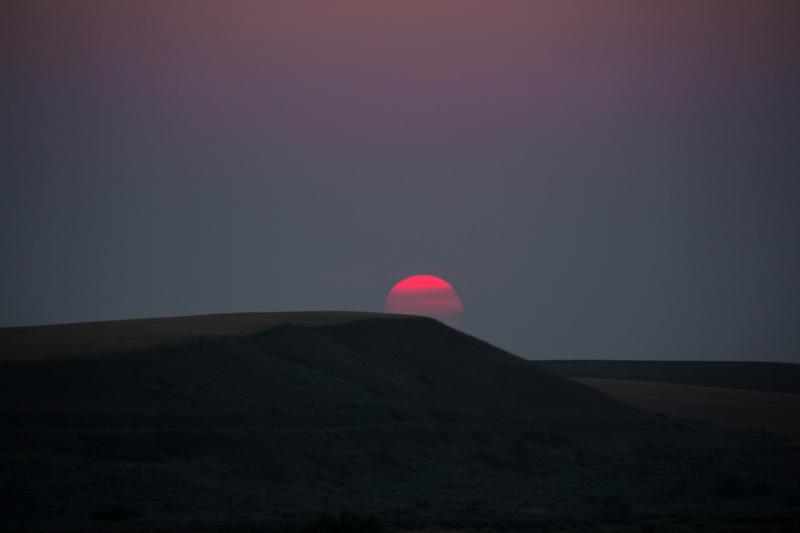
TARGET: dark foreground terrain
(266,421)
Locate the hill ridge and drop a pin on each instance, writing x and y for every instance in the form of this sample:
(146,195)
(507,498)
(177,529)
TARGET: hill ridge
(362,369)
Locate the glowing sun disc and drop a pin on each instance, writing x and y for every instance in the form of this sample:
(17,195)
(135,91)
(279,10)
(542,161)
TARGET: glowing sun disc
(427,296)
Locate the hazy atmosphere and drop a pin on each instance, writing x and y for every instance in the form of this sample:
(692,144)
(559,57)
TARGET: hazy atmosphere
(595,179)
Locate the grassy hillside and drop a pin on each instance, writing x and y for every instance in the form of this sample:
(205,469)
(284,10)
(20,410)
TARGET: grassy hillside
(230,420)
(95,338)
(315,368)
(763,376)
(747,409)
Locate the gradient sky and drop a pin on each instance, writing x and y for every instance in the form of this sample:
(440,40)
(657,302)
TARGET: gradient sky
(596,178)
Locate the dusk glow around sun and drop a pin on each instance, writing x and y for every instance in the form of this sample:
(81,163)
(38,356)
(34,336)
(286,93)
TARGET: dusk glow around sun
(427,296)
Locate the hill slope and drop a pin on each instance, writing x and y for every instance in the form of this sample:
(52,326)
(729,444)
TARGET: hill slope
(311,368)
(271,417)
(92,338)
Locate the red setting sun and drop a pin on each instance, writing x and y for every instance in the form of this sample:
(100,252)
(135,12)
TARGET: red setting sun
(427,296)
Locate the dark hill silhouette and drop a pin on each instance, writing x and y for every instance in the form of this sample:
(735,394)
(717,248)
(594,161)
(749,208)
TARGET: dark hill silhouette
(258,421)
(86,338)
(314,368)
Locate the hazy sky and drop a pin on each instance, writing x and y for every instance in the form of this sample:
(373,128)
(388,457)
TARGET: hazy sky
(596,179)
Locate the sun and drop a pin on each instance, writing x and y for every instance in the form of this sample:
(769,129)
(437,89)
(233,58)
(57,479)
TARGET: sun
(425,295)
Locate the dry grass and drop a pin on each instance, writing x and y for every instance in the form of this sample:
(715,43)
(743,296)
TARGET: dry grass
(87,338)
(756,410)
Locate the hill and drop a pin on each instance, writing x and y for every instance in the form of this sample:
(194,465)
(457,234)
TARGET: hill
(115,336)
(314,368)
(235,422)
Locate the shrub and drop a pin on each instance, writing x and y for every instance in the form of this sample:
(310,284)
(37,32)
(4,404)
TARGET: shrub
(176,444)
(615,507)
(729,486)
(426,380)
(678,487)
(344,522)
(762,488)
(116,512)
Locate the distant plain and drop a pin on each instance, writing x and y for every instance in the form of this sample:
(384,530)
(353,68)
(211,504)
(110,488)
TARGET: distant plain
(758,396)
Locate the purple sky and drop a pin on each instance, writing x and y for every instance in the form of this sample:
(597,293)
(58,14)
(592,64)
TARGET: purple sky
(596,179)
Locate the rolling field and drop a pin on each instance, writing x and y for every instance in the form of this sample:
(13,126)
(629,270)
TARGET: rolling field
(747,409)
(756,396)
(253,422)
(747,375)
